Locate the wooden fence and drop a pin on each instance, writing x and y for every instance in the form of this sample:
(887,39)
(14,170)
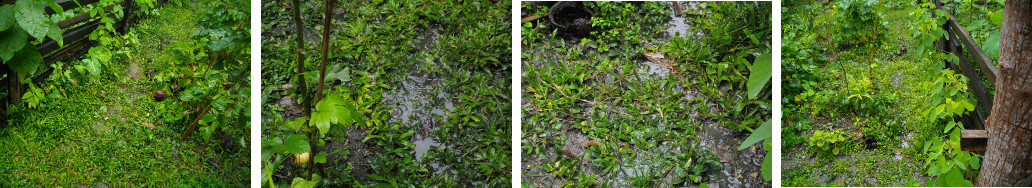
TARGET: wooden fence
(76,34)
(974,136)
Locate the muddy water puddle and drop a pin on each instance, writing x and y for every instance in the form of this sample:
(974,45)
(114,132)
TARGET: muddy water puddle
(420,104)
(679,24)
(742,168)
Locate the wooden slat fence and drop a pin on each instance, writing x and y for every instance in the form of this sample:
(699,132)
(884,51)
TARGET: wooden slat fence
(956,41)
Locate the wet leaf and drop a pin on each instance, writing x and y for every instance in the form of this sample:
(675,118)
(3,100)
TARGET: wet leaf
(296,144)
(767,170)
(25,61)
(31,18)
(992,45)
(320,158)
(302,183)
(93,66)
(761,133)
(759,74)
(996,18)
(11,41)
(6,17)
(344,75)
(974,163)
(57,34)
(332,110)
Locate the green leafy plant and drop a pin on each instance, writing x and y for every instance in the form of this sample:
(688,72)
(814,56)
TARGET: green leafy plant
(17,23)
(763,133)
(790,134)
(827,142)
(760,74)
(858,21)
(927,29)
(944,157)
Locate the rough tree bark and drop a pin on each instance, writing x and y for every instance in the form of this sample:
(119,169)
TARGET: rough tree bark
(1008,160)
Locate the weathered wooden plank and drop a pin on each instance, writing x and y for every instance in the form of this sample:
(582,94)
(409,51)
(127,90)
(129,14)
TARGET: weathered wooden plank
(75,34)
(979,115)
(973,140)
(983,61)
(69,4)
(82,17)
(975,85)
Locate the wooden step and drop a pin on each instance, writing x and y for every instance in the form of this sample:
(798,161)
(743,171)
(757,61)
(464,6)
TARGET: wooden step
(973,140)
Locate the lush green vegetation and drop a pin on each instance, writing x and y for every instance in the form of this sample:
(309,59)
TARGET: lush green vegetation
(98,120)
(635,104)
(416,94)
(882,112)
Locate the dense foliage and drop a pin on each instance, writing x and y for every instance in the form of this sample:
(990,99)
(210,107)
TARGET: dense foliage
(122,113)
(631,103)
(884,108)
(360,126)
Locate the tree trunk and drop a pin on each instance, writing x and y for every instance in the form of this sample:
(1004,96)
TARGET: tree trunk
(306,98)
(1008,160)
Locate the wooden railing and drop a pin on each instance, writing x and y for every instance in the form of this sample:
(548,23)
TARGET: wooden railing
(974,137)
(76,39)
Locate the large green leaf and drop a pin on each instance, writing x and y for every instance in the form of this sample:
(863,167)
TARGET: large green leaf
(759,74)
(93,66)
(7,17)
(26,61)
(271,146)
(992,44)
(767,171)
(11,41)
(332,110)
(302,183)
(296,144)
(57,34)
(954,178)
(761,133)
(31,18)
(996,18)
(320,158)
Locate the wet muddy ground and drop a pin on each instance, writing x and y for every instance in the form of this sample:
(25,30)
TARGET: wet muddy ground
(740,168)
(419,103)
(418,85)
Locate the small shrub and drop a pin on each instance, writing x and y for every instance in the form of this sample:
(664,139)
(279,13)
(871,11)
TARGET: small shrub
(827,141)
(858,22)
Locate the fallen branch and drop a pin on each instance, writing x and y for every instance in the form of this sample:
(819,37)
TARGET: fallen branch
(534,17)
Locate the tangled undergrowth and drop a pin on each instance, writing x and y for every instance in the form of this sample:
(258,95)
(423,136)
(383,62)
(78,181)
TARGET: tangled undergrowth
(641,103)
(99,120)
(417,94)
(879,113)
